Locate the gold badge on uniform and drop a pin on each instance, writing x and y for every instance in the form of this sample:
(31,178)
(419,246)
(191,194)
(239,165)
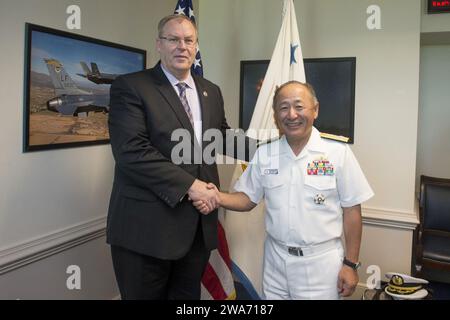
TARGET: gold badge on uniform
(320,167)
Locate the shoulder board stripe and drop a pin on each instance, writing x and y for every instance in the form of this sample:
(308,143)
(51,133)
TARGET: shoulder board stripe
(334,137)
(261,143)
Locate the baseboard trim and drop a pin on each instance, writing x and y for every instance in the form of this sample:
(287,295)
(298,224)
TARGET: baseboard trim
(44,246)
(389,218)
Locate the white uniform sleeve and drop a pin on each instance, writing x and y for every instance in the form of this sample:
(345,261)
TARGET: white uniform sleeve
(250,183)
(352,185)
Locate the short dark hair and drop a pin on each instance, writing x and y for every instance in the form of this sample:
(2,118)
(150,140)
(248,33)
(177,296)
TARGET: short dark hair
(304,84)
(171,17)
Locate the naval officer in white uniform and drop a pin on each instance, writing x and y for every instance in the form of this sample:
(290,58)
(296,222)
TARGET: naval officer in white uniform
(313,190)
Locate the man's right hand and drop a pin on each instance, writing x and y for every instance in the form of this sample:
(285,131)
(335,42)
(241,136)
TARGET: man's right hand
(202,206)
(206,193)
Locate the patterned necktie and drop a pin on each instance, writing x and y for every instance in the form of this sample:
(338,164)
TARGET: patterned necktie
(182,88)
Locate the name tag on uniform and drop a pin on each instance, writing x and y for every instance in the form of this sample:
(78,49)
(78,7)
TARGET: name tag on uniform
(270,171)
(320,167)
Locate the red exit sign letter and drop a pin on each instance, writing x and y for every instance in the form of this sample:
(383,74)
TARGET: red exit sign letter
(437,6)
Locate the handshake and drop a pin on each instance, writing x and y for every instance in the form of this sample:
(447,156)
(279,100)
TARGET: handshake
(204,196)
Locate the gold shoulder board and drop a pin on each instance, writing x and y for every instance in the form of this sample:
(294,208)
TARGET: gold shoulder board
(334,137)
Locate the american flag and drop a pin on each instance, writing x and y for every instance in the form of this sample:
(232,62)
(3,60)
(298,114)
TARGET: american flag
(185,7)
(217,281)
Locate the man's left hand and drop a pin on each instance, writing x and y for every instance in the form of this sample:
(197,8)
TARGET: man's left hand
(347,281)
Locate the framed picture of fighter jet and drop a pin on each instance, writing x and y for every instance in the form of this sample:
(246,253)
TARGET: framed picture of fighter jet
(67,81)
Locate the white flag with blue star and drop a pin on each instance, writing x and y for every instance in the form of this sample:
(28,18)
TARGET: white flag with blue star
(246,231)
(286,64)
(185,7)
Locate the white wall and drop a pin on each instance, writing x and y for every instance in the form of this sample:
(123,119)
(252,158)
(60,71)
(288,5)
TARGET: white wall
(387,82)
(433,154)
(44,192)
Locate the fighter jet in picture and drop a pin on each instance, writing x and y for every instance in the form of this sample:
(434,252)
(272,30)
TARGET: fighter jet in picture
(71,100)
(95,75)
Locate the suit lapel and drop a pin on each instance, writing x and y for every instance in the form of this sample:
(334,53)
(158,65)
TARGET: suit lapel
(204,103)
(167,91)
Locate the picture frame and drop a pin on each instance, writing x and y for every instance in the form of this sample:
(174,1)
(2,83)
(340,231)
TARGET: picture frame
(252,77)
(66,87)
(333,80)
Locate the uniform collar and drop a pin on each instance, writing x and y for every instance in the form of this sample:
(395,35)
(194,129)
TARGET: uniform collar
(315,144)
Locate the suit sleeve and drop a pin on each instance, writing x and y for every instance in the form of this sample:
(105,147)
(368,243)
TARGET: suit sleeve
(236,144)
(135,156)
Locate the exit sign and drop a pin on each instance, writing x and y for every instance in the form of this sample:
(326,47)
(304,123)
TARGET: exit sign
(437,6)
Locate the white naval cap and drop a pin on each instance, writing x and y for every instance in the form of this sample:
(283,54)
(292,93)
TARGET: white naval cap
(403,286)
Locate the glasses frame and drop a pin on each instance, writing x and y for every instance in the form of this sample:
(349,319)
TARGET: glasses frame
(174,41)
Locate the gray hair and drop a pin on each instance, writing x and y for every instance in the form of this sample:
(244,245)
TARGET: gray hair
(308,86)
(171,17)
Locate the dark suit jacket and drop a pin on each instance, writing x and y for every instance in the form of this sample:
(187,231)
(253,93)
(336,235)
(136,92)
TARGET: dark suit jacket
(145,213)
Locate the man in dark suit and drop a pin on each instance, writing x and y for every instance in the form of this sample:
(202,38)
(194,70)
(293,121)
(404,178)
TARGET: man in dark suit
(160,243)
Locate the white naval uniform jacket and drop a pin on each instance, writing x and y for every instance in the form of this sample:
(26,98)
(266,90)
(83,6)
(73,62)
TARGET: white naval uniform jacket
(304,205)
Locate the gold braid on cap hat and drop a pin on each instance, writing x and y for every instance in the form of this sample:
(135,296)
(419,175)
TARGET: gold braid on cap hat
(398,285)
(403,290)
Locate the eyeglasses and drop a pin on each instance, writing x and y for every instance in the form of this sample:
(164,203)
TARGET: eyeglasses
(177,41)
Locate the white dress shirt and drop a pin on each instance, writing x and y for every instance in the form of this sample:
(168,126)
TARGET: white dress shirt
(192,98)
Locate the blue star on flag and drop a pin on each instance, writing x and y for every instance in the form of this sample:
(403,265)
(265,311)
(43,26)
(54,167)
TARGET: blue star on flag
(293,48)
